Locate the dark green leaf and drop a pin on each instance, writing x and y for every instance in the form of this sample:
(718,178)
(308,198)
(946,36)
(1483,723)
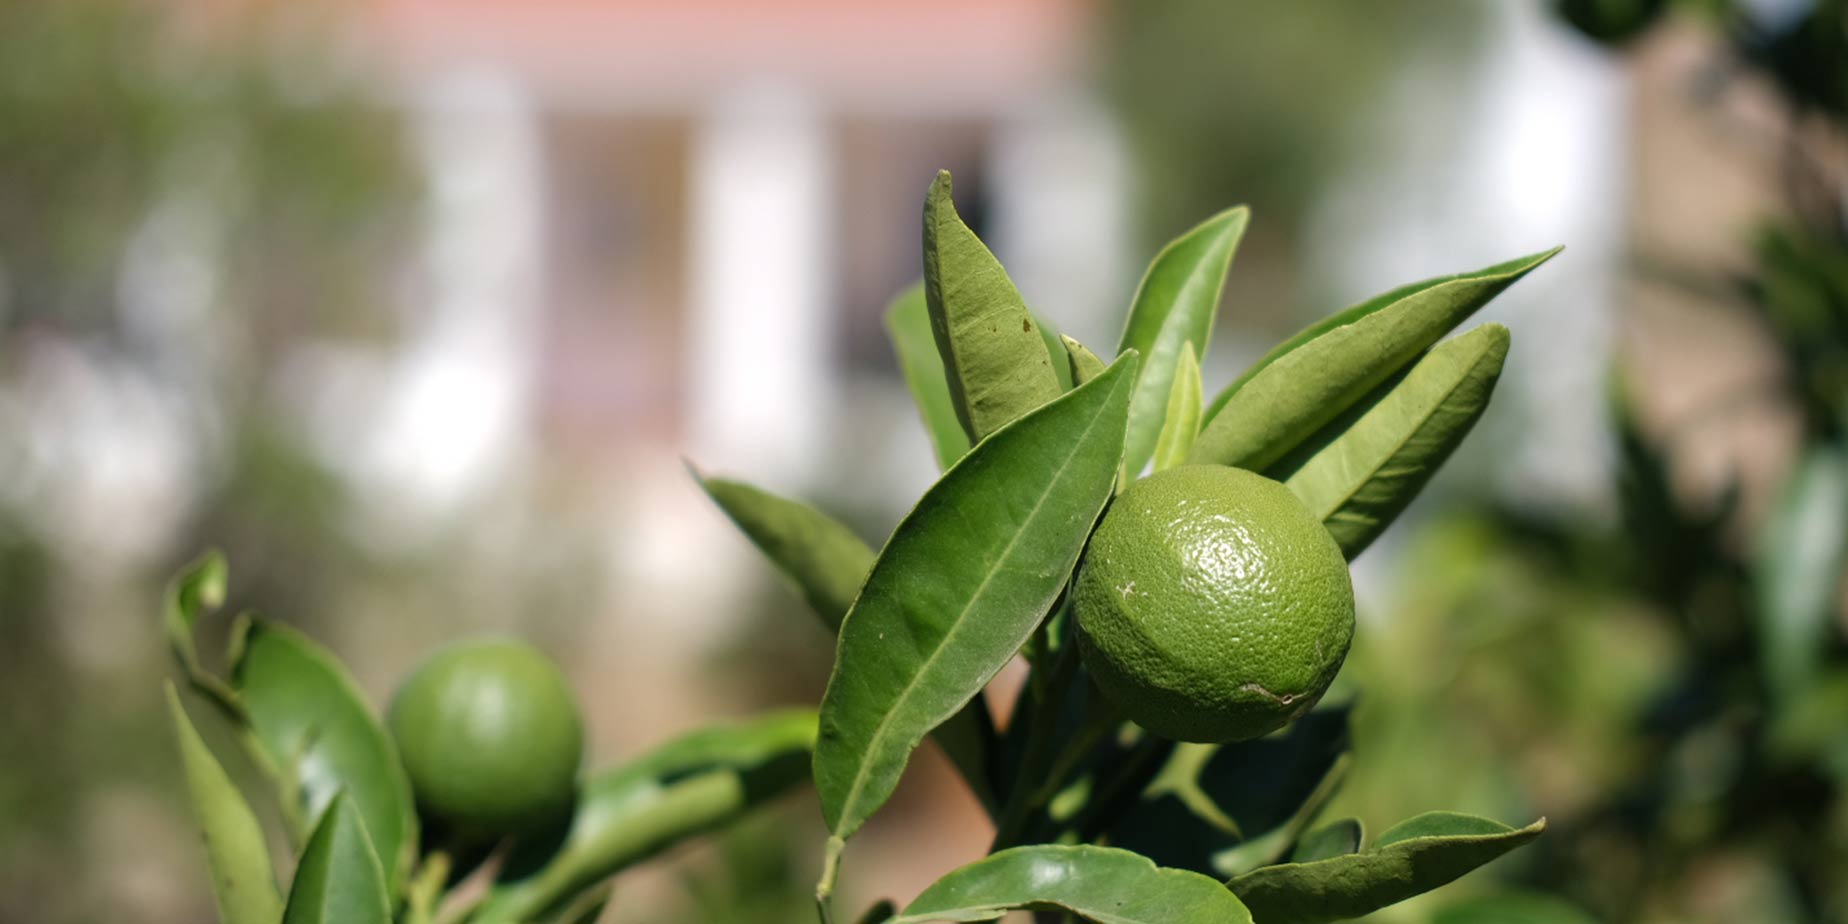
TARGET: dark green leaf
(961,585)
(1414,857)
(827,562)
(1798,570)
(823,558)
(1365,468)
(1182,423)
(1334,840)
(994,359)
(1315,376)
(908,326)
(1175,305)
(689,786)
(242,880)
(1085,365)
(317,730)
(1100,884)
(1219,809)
(339,880)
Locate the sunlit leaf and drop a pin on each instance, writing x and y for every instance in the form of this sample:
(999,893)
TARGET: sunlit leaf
(1182,423)
(907,323)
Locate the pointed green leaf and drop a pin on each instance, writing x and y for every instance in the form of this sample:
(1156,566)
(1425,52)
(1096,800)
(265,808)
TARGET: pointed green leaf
(1798,570)
(1414,857)
(689,786)
(1100,884)
(1085,365)
(827,563)
(318,731)
(823,558)
(994,359)
(960,586)
(1174,305)
(243,883)
(1337,839)
(1182,422)
(1315,376)
(908,326)
(1365,468)
(339,880)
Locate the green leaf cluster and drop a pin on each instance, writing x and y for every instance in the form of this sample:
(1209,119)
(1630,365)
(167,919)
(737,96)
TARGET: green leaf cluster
(1095,817)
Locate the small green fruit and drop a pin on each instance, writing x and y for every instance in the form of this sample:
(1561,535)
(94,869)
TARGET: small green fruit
(490,736)
(1212,606)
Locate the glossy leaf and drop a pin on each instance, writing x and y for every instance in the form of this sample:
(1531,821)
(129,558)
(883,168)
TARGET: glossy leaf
(243,882)
(317,729)
(1100,884)
(1799,568)
(1085,364)
(960,586)
(828,563)
(1320,373)
(994,359)
(339,879)
(1175,305)
(689,786)
(821,557)
(1182,423)
(907,323)
(1367,466)
(1416,856)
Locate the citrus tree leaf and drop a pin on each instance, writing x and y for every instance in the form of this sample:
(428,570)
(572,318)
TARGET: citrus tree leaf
(1315,376)
(688,786)
(1055,349)
(820,556)
(1415,856)
(1367,466)
(1182,422)
(1085,364)
(1798,570)
(995,361)
(828,563)
(339,879)
(907,322)
(317,730)
(960,586)
(1099,884)
(1175,305)
(243,882)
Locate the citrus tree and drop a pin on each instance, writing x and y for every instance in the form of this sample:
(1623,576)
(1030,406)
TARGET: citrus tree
(1172,568)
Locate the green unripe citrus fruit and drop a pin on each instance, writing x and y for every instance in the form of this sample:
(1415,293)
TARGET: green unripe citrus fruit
(490,736)
(1212,606)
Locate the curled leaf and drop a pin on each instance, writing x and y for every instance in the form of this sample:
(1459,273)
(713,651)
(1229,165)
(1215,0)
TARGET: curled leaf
(1416,856)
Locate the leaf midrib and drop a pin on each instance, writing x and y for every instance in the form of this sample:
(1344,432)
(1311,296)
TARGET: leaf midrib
(883,729)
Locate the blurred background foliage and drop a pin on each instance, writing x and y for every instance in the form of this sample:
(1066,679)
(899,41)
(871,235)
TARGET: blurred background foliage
(204,208)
